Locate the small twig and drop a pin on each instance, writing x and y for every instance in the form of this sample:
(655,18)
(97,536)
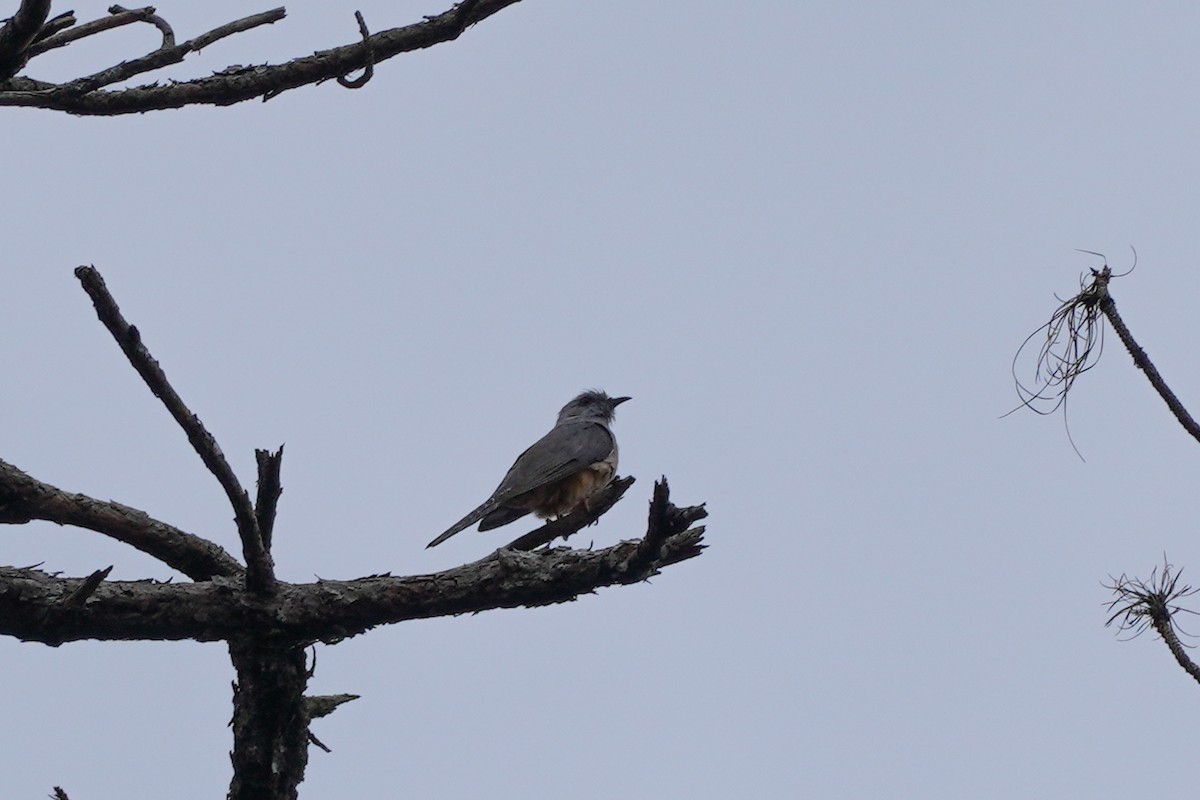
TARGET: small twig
(148,14)
(90,584)
(312,737)
(576,521)
(260,573)
(1152,604)
(369,52)
(269,490)
(325,704)
(59,794)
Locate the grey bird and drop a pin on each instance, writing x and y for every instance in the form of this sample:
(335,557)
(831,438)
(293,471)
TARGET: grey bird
(559,472)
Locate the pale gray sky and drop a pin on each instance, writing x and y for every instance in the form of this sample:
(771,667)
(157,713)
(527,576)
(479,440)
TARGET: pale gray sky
(807,238)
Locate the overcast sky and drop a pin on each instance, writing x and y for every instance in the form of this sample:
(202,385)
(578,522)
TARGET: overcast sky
(806,238)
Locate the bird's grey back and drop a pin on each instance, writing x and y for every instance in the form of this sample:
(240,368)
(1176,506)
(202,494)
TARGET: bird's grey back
(570,446)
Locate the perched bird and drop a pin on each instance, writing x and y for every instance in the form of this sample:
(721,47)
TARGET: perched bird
(559,472)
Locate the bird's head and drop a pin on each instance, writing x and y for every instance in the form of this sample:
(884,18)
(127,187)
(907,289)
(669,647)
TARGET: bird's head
(592,404)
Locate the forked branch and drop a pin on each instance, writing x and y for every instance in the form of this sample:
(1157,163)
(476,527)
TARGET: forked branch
(260,571)
(234,84)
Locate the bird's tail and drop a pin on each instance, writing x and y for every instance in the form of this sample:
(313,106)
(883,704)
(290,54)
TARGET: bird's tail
(464,523)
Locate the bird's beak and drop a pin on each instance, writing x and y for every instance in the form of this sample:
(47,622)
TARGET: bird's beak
(616,401)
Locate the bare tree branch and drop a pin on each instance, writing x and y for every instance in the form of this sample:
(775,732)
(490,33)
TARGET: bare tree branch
(19,33)
(1143,362)
(665,522)
(1074,343)
(1152,604)
(164,56)
(260,571)
(31,608)
(24,499)
(237,84)
(116,19)
(269,490)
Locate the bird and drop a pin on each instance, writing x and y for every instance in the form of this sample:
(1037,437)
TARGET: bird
(558,473)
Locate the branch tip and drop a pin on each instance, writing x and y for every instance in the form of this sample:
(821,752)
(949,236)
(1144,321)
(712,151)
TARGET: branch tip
(90,584)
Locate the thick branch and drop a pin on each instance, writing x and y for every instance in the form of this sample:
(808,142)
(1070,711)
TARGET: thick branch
(31,607)
(237,84)
(24,499)
(1143,362)
(270,721)
(260,572)
(19,33)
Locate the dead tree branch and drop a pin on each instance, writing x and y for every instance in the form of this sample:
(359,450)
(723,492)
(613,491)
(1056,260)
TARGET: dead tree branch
(1140,605)
(234,84)
(1143,362)
(269,490)
(31,601)
(260,571)
(25,499)
(1073,345)
(70,33)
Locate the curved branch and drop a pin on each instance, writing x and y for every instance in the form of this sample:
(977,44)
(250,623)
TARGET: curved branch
(369,71)
(260,572)
(116,19)
(32,608)
(237,84)
(24,499)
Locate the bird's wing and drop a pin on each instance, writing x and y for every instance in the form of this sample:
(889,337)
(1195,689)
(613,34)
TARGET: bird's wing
(563,451)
